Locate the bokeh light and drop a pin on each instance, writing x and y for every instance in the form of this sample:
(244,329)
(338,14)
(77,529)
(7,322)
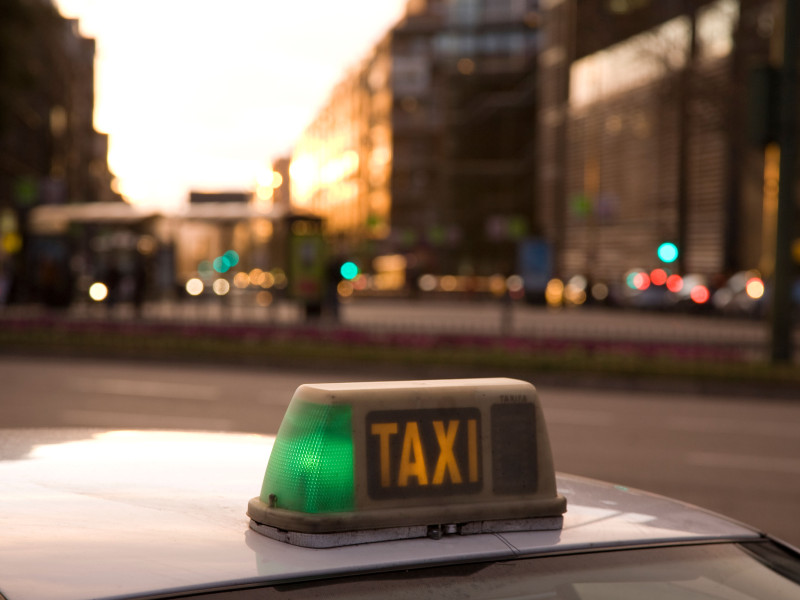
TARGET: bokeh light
(232,257)
(639,281)
(205,269)
(221,265)
(98,291)
(267,280)
(241,280)
(630,278)
(12,242)
(575,290)
(279,279)
(146,245)
(194,287)
(700,294)
(349,270)
(516,287)
(224,263)
(466,66)
(497,285)
(263,298)
(344,289)
(221,287)
(600,292)
(448,283)
(754,288)
(674,283)
(427,282)
(668,252)
(263,229)
(554,292)
(658,277)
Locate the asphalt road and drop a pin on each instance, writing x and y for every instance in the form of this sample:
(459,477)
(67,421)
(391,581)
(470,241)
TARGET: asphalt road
(739,456)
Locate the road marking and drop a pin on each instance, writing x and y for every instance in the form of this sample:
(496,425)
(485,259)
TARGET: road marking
(574,416)
(148,389)
(743,462)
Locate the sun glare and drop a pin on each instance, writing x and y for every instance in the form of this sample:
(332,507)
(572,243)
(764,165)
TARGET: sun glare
(208,106)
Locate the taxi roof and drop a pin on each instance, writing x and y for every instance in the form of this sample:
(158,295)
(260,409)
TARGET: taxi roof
(100,514)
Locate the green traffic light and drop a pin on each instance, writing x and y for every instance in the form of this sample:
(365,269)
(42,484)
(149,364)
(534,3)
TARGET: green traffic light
(668,252)
(349,270)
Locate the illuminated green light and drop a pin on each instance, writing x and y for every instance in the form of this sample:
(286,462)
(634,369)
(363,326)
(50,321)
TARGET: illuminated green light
(631,279)
(221,264)
(668,252)
(232,257)
(205,269)
(349,270)
(311,466)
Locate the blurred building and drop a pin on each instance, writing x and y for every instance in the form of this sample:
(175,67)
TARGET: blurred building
(50,152)
(643,135)
(426,148)
(213,224)
(332,170)
(281,184)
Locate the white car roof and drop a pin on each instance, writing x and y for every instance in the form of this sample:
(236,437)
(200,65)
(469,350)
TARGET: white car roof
(91,514)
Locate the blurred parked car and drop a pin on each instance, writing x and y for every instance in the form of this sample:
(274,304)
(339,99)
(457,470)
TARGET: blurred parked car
(743,294)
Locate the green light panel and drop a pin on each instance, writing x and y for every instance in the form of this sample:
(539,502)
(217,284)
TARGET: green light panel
(311,466)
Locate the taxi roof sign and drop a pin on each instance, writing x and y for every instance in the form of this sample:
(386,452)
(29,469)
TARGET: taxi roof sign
(359,462)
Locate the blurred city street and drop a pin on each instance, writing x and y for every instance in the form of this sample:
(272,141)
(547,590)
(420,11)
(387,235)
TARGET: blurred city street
(204,207)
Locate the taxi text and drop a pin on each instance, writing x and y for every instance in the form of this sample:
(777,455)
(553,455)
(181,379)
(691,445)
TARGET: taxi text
(433,451)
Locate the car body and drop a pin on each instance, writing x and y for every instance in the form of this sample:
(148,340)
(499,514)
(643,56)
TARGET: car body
(161,514)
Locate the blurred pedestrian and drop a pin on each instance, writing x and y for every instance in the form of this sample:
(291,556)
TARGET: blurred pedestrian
(331,293)
(139,284)
(113,281)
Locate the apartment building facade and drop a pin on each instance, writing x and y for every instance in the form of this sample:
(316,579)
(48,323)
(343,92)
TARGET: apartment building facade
(426,148)
(644,137)
(50,152)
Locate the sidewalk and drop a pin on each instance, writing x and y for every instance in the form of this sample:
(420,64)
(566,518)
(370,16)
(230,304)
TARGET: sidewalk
(594,326)
(482,317)
(634,349)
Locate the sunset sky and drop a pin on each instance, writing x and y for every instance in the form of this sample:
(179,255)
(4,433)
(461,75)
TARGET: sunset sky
(203,95)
